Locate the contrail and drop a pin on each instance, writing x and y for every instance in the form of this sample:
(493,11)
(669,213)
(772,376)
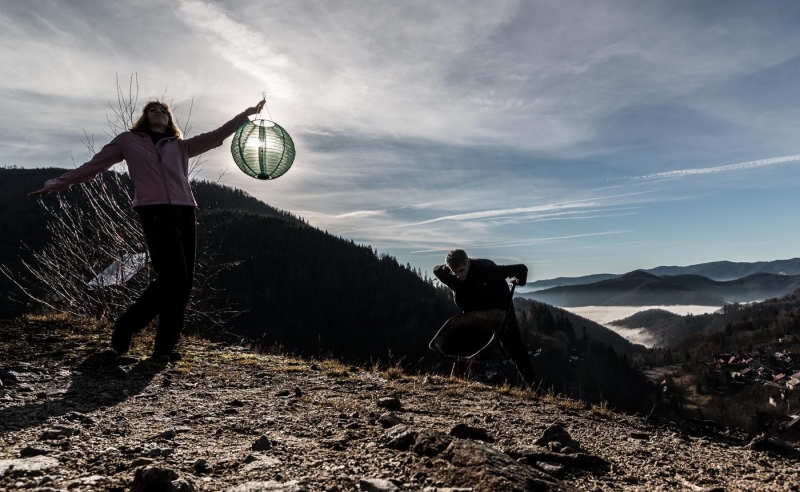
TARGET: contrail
(721,169)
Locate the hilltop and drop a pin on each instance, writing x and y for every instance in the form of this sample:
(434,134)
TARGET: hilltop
(75,417)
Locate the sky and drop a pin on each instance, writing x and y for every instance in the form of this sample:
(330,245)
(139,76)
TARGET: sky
(577,137)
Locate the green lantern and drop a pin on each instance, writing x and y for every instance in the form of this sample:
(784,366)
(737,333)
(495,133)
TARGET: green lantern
(262,149)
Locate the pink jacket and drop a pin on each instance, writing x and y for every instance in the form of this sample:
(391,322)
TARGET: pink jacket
(160,173)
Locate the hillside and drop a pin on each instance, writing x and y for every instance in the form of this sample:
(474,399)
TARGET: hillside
(291,285)
(363,305)
(72,417)
(594,330)
(717,270)
(640,288)
(636,288)
(645,318)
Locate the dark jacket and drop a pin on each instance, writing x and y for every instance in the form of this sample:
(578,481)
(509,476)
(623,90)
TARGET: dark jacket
(485,286)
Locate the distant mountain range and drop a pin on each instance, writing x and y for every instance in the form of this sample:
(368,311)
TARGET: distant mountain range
(640,288)
(717,270)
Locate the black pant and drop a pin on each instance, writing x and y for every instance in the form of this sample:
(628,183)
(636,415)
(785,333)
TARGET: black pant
(512,342)
(171,235)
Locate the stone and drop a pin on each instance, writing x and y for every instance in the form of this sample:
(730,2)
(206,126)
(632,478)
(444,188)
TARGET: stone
(153,478)
(464,431)
(557,438)
(390,403)
(481,467)
(182,484)
(377,485)
(33,466)
(271,486)
(261,463)
(773,445)
(141,462)
(29,451)
(58,432)
(390,419)
(262,444)
(202,467)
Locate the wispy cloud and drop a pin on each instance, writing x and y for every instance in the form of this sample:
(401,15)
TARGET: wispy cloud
(528,242)
(245,48)
(742,166)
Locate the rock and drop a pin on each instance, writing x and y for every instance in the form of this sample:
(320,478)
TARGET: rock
(481,467)
(270,486)
(401,438)
(93,482)
(33,466)
(75,416)
(141,462)
(773,445)
(390,419)
(261,463)
(297,391)
(201,467)
(556,438)
(551,468)
(262,444)
(377,485)
(423,442)
(182,484)
(390,403)
(168,434)
(152,479)
(58,432)
(465,431)
(29,451)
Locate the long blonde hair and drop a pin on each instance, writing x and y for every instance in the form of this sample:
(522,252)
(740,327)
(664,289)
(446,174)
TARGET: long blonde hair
(142,124)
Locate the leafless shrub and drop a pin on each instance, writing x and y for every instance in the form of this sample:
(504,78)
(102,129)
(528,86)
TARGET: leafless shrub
(82,270)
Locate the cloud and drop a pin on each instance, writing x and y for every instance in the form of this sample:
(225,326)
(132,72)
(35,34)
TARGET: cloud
(527,242)
(679,173)
(240,45)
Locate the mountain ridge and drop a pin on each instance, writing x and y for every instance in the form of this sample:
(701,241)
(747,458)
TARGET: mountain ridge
(640,288)
(717,270)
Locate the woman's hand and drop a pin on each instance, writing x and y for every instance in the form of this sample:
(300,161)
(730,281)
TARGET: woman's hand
(38,192)
(255,109)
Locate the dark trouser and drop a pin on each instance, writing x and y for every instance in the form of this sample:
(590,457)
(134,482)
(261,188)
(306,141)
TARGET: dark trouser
(512,343)
(171,234)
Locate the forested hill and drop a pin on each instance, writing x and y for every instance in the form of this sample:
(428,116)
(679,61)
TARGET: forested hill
(640,288)
(363,304)
(318,293)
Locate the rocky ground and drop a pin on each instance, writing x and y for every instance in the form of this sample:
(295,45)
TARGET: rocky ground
(73,416)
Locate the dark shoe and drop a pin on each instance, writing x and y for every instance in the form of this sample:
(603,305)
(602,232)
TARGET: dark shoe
(121,338)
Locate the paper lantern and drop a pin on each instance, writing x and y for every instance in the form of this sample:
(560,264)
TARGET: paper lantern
(262,149)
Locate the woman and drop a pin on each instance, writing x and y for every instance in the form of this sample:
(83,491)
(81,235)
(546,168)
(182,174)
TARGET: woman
(158,163)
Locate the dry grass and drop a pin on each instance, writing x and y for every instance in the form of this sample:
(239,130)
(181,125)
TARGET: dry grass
(334,368)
